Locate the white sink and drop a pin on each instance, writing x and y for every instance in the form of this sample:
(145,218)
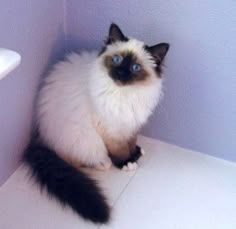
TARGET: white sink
(9,60)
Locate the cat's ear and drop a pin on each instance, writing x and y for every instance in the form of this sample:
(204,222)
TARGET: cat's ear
(158,51)
(115,34)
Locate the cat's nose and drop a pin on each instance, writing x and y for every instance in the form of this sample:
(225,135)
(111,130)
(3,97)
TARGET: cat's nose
(121,72)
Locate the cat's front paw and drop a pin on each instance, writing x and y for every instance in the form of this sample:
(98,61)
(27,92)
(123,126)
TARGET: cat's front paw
(142,151)
(104,164)
(131,166)
(130,163)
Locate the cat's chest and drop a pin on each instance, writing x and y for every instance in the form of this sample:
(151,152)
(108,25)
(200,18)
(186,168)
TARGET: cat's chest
(121,115)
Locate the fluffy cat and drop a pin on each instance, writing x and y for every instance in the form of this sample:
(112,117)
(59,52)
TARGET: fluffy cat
(89,112)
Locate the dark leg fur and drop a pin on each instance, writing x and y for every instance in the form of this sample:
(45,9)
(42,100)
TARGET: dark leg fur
(133,157)
(67,184)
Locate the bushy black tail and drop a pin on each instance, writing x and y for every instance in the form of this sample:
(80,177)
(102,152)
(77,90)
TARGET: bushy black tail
(69,185)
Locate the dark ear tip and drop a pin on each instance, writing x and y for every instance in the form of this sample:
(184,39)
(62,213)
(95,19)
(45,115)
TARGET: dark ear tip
(113,25)
(166,45)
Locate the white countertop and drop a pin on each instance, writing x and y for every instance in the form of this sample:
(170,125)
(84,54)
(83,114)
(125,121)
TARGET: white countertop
(173,188)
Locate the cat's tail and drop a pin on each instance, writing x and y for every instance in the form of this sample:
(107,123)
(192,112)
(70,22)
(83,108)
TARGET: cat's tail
(70,186)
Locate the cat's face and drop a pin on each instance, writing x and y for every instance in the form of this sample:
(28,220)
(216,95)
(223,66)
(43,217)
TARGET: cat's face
(130,61)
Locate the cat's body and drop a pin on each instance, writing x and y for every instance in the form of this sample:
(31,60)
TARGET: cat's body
(87,111)
(91,108)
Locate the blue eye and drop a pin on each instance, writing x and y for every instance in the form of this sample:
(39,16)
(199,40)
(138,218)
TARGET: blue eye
(135,67)
(117,59)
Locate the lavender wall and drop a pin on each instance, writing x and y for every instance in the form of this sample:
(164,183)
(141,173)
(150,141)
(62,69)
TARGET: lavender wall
(199,107)
(35,30)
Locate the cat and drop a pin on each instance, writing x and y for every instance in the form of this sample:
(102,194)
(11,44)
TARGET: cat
(88,113)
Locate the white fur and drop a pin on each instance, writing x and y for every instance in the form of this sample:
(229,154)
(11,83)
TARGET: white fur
(131,166)
(79,98)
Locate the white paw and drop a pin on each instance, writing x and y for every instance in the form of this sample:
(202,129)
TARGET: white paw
(104,165)
(130,166)
(143,152)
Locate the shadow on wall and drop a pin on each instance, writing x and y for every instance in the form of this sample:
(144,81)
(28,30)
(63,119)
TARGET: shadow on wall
(77,44)
(57,54)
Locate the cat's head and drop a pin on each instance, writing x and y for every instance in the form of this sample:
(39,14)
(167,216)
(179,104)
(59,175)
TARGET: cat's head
(129,61)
